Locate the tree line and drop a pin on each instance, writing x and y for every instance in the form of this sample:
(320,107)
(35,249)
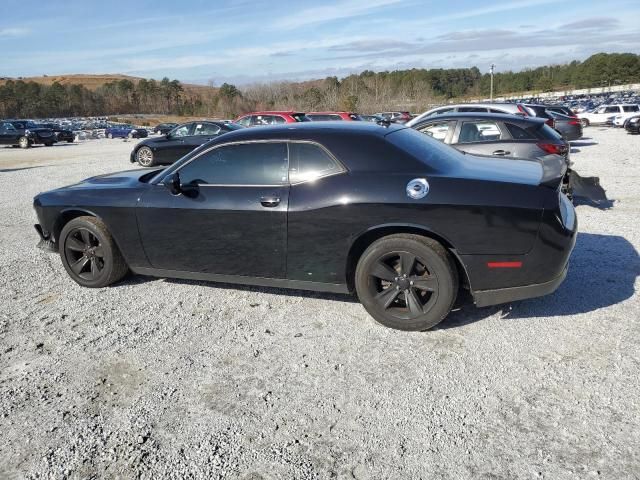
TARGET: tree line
(415,89)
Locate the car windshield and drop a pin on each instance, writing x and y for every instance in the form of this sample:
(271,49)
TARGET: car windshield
(424,148)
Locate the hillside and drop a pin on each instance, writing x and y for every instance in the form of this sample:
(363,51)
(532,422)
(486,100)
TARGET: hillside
(94,81)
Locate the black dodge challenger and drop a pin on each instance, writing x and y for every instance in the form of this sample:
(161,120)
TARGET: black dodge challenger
(386,212)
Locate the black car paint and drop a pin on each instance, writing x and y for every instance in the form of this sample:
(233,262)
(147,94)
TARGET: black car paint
(25,128)
(168,148)
(313,237)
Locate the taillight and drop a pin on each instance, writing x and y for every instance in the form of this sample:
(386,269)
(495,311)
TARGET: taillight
(523,110)
(550,122)
(553,148)
(574,122)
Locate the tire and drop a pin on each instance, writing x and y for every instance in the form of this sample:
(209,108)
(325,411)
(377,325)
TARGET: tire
(24,142)
(110,135)
(144,157)
(585,122)
(89,254)
(70,140)
(405,305)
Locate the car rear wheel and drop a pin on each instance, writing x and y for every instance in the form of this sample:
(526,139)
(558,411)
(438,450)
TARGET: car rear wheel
(407,282)
(110,135)
(144,157)
(24,142)
(89,254)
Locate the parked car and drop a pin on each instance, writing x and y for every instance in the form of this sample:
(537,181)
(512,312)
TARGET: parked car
(512,108)
(125,131)
(330,116)
(632,125)
(164,128)
(61,134)
(569,127)
(371,118)
(385,212)
(604,113)
(168,148)
(25,133)
(499,135)
(256,119)
(395,117)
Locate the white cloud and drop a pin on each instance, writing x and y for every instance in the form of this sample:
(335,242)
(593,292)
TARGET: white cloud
(14,32)
(326,13)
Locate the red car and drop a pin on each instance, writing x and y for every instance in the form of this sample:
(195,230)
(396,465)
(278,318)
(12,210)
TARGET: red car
(255,119)
(329,116)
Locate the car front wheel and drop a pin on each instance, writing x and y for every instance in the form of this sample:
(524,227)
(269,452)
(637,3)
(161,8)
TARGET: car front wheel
(407,282)
(144,157)
(89,254)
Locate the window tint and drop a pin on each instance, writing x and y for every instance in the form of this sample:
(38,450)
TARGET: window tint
(471,109)
(630,108)
(244,121)
(18,125)
(206,129)
(549,133)
(495,110)
(480,131)
(321,117)
(278,119)
(300,117)
(519,133)
(181,131)
(262,120)
(612,110)
(436,130)
(242,164)
(309,161)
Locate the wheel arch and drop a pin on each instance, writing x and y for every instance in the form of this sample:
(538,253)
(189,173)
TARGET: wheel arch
(66,216)
(366,238)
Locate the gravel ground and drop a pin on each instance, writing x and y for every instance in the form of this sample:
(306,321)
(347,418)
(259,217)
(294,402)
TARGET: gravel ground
(161,378)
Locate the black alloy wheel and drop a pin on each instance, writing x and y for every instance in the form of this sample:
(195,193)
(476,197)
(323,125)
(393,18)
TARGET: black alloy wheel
(407,282)
(89,253)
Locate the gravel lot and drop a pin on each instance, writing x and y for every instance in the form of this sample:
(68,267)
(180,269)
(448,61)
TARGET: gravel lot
(161,378)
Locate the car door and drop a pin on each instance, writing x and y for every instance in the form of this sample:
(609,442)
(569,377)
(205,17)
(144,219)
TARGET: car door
(481,137)
(231,221)
(175,146)
(5,133)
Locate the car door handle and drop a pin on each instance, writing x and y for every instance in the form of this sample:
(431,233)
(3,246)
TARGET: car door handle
(501,153)
(270,201)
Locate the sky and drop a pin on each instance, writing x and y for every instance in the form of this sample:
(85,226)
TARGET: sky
(242,42)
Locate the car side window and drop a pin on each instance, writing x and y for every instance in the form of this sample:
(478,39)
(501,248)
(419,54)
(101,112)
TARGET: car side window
(258,163)
(630,108)
(308,161)
(244,121)
(436,130)
(519,133)
(181,131)
(206,129)
(441,111)
(262,120)
(612,110)
(479,131)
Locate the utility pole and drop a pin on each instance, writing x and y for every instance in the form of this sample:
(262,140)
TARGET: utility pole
(491,71)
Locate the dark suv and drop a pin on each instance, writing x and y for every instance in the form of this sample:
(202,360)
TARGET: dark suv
(24,133)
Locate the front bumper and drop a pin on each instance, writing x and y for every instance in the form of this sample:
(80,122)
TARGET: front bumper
(498,296)
(45,242)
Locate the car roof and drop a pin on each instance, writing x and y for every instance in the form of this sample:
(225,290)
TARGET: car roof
(327,113)
(272,112)
(293,130)
(481,115)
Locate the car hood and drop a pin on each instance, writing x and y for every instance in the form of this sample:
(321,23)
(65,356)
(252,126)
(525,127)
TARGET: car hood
(126,179)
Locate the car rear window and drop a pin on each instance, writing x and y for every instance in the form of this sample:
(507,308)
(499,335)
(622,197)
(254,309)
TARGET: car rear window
(429,151)
(519,133)
(630,108)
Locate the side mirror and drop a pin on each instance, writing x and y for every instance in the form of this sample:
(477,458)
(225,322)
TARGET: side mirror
(167,135)
(172,182)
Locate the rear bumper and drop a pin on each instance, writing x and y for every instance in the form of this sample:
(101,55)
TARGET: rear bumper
(485,298)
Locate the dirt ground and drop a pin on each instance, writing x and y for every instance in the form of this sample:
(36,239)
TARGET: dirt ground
(156,378)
